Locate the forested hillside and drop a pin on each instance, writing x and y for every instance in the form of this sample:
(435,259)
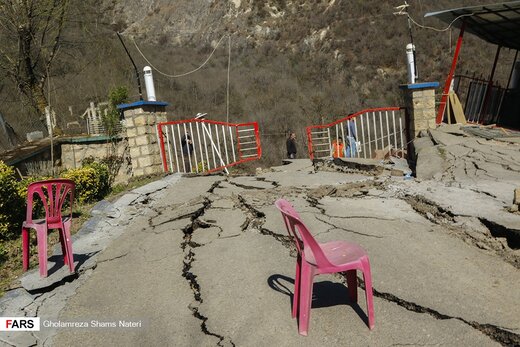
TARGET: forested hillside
(292,63)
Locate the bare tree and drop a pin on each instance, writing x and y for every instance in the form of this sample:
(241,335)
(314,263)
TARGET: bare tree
(30,34)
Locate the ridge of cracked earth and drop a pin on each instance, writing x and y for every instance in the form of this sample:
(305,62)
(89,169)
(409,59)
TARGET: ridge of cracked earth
(221,267)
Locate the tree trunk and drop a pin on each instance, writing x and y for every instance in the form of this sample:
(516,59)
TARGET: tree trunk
(39,98)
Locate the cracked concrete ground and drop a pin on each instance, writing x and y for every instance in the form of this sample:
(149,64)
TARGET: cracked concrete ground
(207,261)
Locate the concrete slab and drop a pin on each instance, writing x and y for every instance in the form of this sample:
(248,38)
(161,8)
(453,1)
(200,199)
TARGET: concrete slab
(451,129)
(435,266)
(223,203)
(468,203)
(430,164)
(310,179)
(230,221)
(258,310)
(115,292)
(294,165)
(446,139)
(250,182)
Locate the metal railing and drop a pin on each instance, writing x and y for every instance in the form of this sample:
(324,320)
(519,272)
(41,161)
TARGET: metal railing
(363,133)
(199,145)
(481,99)
(94,117)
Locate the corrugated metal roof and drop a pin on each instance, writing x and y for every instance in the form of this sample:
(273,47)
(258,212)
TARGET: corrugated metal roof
(495,23)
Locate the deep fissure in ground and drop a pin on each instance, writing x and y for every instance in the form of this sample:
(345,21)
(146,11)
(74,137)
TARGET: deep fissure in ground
(189,258)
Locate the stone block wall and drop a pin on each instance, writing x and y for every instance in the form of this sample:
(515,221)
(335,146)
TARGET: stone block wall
(423,110)
(73,154)
(419,99)
(141,130)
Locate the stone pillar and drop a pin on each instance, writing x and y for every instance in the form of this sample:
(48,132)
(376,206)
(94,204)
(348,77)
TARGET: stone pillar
(141,120)
(419,101)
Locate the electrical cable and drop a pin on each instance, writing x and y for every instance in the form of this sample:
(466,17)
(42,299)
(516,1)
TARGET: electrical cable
(435,29)
(179,75)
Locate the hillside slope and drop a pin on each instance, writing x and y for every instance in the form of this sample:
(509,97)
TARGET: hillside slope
(292,63)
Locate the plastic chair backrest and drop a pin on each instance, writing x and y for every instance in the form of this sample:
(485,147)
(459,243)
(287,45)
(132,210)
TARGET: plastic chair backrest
(52,193)
(299,231)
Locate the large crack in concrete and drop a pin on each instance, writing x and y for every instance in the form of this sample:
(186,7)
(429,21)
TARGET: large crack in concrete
(498,334)
(254,218)
(188,246)
(438,215)
(497,230)
(243,186)
(333,227)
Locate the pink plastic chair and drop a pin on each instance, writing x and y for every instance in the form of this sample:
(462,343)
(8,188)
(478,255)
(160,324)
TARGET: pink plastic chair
(53,194)
(323,258)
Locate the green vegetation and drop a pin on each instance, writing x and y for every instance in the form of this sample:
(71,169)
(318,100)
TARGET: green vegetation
(11,202)
(283,73)
(111,120)
(91,182)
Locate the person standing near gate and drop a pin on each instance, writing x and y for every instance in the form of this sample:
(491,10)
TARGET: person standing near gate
(350,130)
(338,148)
(187,151)
(291,146)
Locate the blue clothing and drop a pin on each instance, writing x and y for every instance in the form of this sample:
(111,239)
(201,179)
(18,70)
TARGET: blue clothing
(350,148)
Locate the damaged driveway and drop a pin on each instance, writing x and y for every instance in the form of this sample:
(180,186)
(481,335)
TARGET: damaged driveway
(206,261)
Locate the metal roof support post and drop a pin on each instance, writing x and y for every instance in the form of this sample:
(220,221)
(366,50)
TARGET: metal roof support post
(446,90)
(490,86)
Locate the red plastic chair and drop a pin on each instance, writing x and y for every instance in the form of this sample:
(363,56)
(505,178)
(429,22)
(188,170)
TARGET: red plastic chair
(53,194)
(323,258)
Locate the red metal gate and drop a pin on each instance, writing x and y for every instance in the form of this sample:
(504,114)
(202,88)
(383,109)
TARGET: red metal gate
(363,133)
(214,145)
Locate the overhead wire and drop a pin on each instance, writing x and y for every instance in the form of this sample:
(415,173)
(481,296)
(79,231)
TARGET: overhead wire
(402,10)
(435,29)
(182,74)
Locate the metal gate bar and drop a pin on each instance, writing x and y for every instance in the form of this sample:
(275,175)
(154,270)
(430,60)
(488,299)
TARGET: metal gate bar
(210,146)
(366,132)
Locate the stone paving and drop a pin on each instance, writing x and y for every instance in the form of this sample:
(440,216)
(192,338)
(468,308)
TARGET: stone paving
(206,260)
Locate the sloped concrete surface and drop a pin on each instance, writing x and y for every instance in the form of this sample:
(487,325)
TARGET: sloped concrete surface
(206,261)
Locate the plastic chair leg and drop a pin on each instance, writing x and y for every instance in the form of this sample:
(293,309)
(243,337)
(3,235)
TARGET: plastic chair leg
(41,235)
(351,276)
(307,278)
(297,279)
(367,276)
(25,248)
(63,247)
(68,245)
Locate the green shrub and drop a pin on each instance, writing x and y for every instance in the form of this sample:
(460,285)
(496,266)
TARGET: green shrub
(11,204)
(200,165)
(3,253)
(111,118)
(92,181)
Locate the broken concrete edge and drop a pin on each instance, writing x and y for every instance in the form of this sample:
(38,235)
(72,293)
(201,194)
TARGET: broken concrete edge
(394,166)
(99,212)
